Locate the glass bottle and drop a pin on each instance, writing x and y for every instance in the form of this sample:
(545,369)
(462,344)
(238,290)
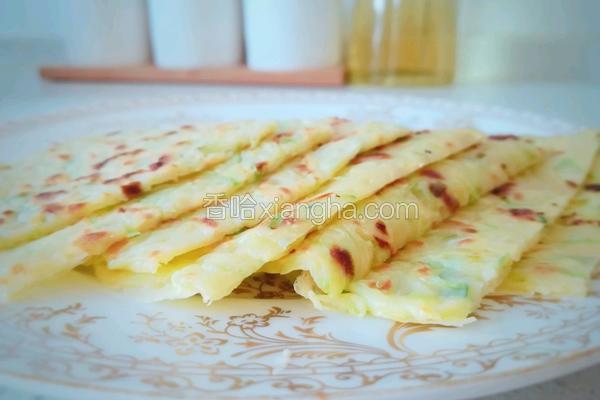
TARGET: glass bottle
(402,42)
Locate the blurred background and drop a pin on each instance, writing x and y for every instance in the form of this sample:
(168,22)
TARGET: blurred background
(543,55)
(467,40)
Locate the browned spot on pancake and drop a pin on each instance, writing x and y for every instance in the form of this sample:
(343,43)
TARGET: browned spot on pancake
(168,221)
(573,219)
(403,138)
(132,190)
(384,244)
(91,177)
(121,147)
(522,212)
(53,208)
(462,226)
(186,127)
(378,155)
(260,166)
(280,136)
(103,163)
(593,187)
(437,189)
(124,176)
(503,190)
(431,173)
(571,184)
(378,148)
(64,157)
(207,221)
(504,137)
(440,190)
(424,270)
(89,241)
(92,236)
(49,195)
(343,259)
(75,207)
(8,213)
(288,220)
(303,168)
(56,178)
(117,246)
(381,227)
(162,160)
(526,214)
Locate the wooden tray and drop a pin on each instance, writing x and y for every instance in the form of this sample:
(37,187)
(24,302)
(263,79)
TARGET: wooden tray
(332,76)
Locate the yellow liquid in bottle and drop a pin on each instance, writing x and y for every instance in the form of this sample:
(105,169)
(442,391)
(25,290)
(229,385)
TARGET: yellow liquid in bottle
(402,42)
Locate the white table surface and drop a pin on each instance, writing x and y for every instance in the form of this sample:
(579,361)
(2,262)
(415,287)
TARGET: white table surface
(23,94)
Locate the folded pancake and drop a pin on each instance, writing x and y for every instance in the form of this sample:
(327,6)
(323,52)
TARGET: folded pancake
(217,273)
(563,263)
(441,278)
(246,208)
(348,248)
(71,181)
(92,236)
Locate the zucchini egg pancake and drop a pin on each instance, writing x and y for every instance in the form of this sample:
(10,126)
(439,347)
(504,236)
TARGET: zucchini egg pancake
(364,217)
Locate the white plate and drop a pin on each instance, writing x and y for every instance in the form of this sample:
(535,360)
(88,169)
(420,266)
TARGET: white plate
(72,338)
